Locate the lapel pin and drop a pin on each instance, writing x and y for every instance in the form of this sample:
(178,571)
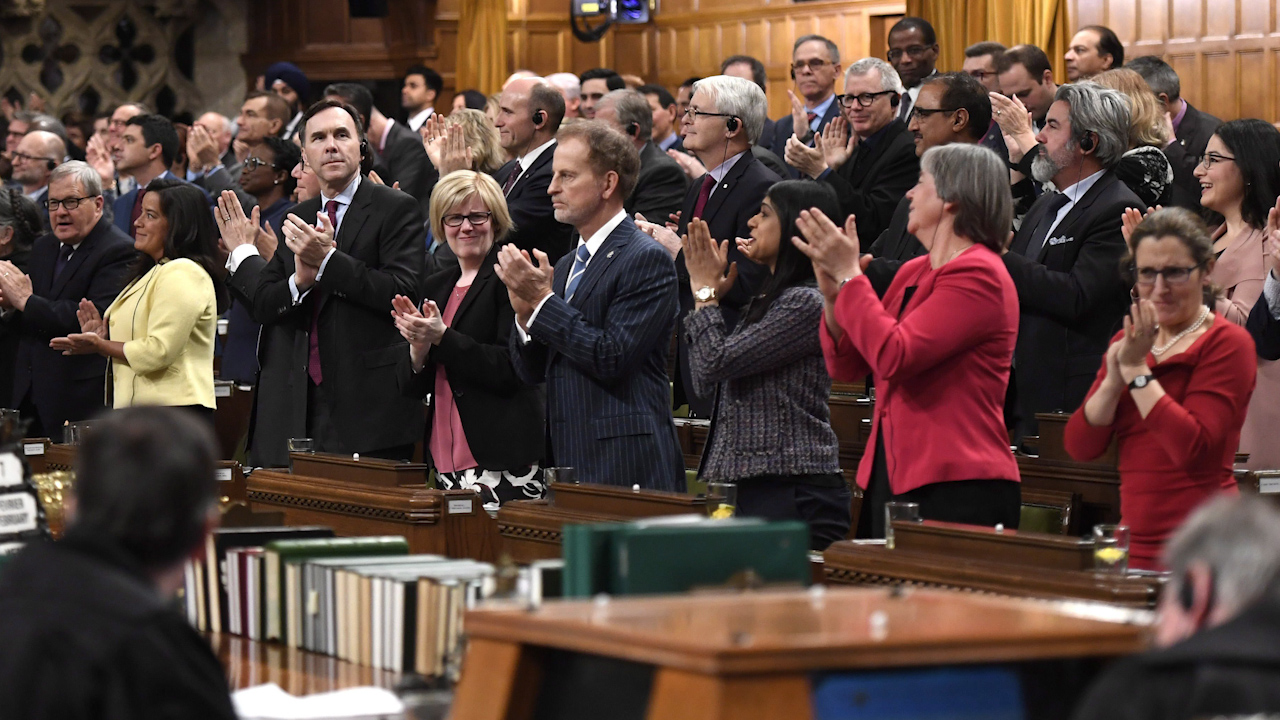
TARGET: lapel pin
(611,252)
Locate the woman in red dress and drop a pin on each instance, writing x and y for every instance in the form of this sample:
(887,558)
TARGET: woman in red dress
(1174,388)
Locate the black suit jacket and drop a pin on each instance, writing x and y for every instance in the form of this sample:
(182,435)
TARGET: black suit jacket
(785,126)
(727,212)
(893,249)
(379,255)
(876,178)
(1192,138)
(1265,329)
(405,161)
(530,206)
(502,417)
(1071,296)
(67,387)
(661,187)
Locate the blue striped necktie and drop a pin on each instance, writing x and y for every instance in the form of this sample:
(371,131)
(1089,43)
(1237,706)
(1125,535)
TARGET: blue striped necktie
(575,273)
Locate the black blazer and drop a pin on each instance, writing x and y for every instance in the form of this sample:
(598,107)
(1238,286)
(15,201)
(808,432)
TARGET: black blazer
(727,212)
(502,417)
(379,255)
(530,206)
(661,187)
(876,178)
(1184,154)
(785,126)
(405,161)
(67,387)
(1071,296)
(1265,329)
(893,249)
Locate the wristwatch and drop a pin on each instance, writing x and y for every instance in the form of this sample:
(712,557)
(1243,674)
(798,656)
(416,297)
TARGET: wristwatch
(1141,381)
(706,293)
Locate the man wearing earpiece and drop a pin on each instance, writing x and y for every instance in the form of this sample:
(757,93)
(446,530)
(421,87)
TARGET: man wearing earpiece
(1065,258)
(662,185)
(529,114)
(1218,627)
(37,155)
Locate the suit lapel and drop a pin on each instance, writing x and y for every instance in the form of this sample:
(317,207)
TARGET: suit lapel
(483,277)
(58,282)
(725,187)
(355,216)
(542,159)
(1067,227)
(867,157)
(600,262)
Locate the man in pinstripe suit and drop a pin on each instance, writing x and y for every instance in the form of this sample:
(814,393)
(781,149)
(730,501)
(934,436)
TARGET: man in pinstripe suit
(596,328)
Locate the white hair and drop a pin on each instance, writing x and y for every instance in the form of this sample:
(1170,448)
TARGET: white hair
(889,79)
(566,82)
(738,97)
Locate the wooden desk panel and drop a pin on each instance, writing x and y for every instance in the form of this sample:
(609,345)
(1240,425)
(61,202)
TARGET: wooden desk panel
(249,663)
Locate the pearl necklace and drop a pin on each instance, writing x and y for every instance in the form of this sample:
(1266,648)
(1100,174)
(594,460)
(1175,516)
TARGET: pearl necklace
(1204,313)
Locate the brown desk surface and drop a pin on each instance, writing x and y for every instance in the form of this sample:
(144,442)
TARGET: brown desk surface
(798,631)
(249,663)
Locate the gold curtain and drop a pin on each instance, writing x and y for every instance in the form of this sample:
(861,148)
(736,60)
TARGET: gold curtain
(1042,23)
(482,45)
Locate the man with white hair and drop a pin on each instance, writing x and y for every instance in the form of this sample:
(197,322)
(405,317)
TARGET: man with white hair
(1218,628)
(568,85)
(724,119)
(867,155)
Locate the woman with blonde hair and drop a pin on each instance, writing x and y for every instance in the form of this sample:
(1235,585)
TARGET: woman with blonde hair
(485,427)
(1145,168)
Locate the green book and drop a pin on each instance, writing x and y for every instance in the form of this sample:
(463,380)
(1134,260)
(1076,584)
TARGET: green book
(282,562)
(586,558)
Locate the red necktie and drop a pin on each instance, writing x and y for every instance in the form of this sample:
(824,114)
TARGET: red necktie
(704,194)
(313,342)
(137,210)
(811,116)
(512,178)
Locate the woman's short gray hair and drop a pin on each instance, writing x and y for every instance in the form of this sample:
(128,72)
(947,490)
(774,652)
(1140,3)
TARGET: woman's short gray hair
(1102,112)
(738,97)
(977,181)
(889,79)
(78,170)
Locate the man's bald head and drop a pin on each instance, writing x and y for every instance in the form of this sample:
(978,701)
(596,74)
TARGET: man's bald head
(37,155)
(218,127)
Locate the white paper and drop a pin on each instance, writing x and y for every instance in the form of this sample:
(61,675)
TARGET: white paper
(270,702)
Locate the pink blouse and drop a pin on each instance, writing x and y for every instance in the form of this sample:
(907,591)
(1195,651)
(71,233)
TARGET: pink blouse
(449,448)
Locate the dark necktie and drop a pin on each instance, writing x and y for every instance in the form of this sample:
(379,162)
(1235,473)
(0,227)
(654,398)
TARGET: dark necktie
(64,255)
(704,194)
(576,272)
(313,342)
(811,116)
(137,210)
(1055,203)
(516,172)
(904,107)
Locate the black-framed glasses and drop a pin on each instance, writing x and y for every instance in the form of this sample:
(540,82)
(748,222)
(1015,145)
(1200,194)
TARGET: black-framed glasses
(476,219)
(23,156)
(1172,275)
(981,75)
(865,99)
(252,163)
(812,65)
(926,113)
(694,113)
(1210,159)
(70,203)
(915,51)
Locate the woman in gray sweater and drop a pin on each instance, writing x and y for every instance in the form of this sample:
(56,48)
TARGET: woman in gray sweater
(771,431)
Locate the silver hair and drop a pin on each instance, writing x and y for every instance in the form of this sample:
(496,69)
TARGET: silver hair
(1101,112)
(567,82)
(833,50)
(739,98)
(1238,538)
(977,181)
(889,79)
(78,170)
(630,107)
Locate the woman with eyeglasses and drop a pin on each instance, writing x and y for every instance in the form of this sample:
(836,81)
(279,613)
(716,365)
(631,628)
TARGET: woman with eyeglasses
(1240,180)
(484,426)
(1174,388)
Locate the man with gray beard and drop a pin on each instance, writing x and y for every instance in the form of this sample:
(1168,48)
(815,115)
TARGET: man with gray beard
(1065,259)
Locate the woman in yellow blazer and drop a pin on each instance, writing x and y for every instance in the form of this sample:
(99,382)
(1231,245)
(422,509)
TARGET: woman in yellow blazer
(159,332)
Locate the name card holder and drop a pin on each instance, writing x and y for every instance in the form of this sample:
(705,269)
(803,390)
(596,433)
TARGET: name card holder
(364,471)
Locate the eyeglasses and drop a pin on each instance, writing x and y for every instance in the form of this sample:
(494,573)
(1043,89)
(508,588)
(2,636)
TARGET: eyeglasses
(865,99)
(476,219)
(694,113)
(252,163)
(981,75)
(1172,275)
(926,113)
(1209,159)
(23,156)
(813,65)
(70,203)
(915,51)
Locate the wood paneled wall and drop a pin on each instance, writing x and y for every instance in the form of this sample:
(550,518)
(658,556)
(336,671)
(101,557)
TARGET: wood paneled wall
(1226,52)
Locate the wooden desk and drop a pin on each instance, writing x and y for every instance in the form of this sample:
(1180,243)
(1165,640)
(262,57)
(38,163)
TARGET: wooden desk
(248,663)
(233,405)
(1095,485)
(750,656)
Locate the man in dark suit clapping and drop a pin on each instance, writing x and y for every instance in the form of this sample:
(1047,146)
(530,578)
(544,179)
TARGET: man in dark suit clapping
(596,330)
(815,66)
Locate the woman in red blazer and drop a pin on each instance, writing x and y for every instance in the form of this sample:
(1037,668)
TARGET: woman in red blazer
(1174,389)
(939,347)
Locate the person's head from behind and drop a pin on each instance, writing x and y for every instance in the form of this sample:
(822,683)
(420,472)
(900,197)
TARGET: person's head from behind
(1086,130)
(747,68)
(1169,261)
(145,485)
(772,228)
(628,112)
(175,222)
(963,190)
(872,92)
(982,61)
(1162,79)
(529,115)
(20,222)
(951,107)
(1093,49)
(269,166)
(470,213)
(1224,558)
(333,143)
(1025,73)
(571,88)
(1146,123)
(481,137)
(75,201)
(595,84)
(913,49)
(148,146)
(662,105)
(593,173)
(356,95)
(1240,171)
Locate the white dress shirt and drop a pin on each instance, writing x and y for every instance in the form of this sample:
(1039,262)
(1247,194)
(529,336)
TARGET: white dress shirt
(415,122)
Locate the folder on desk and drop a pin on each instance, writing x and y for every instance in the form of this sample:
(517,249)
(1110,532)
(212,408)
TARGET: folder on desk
(669,557)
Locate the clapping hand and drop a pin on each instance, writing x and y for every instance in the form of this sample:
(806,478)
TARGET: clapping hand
(1140,327)
(706,260)
(799,116)
(309,243)
(1131,219)
(201,148)
(1015,124)
(421,328)
(691,166)
(234,227)
(834,251)
(15,286)
(528,279)
(376,179)
(99,158)
(808,160)
(92,332)
(837,143)
(665,235)
(456,155)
